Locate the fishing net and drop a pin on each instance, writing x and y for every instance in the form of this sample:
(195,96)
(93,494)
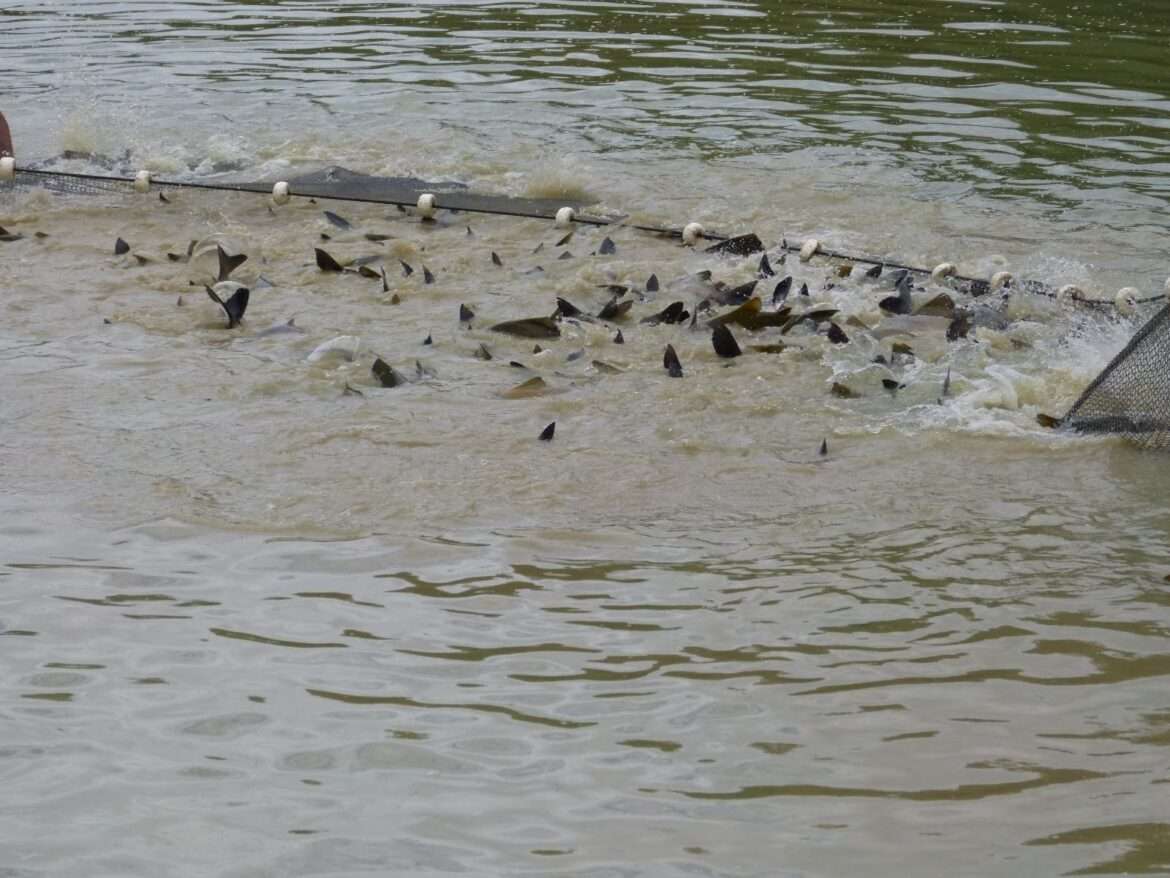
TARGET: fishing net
(1130,396)
(334,182)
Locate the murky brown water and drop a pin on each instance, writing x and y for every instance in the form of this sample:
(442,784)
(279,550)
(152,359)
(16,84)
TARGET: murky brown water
(251,625)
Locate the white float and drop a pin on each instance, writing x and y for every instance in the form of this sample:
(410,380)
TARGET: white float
(7,168)
(1126,300)
(1001,280)
(692,232)
(426,205)
(280,192)
(565,217)
(142,181)
(944,270)
(809,249)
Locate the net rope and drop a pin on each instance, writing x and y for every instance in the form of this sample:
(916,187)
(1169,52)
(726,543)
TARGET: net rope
(93,184)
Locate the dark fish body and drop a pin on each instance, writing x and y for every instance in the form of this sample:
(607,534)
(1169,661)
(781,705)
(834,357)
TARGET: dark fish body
(741,245)
(735,295)
(619,338)
(234,307)
(781,292)
(959,328)
(837,334)
(874,272)
(496,259)
(428,278)
(386,374)
(724,342)
(565,308)
(824,450)
(615,309)
(465,314)
(675,312)
(547,433)
(121,247)
(652,284)
(337,221)
(325,262)
(608,247)
(765,269)
(843,392)
(529,327)
(671,364)
(407,271)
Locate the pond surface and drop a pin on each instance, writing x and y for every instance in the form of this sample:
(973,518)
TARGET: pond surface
(260,616)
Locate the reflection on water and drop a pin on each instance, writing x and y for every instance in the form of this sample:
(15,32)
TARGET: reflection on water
(251,626)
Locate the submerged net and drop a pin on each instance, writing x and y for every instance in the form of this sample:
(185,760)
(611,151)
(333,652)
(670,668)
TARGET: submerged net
(1130,397)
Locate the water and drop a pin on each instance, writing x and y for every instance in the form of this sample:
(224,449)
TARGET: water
(252,625)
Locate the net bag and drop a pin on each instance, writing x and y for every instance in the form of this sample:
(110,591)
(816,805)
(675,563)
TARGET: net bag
(1131,397)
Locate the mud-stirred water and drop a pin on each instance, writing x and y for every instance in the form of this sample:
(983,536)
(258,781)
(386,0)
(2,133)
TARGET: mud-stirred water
(260,616)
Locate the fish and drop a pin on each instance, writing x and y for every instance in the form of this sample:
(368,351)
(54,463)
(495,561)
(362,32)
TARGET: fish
(941,305)
(428,278)
(605,368)
(228,264)
(482,353)
(804,290)
(234,307)
(734,295)
(724,342)
(675,312)
(163,198)
(751,315)
(287,328)
(946,388)
(901,349)
(366,271)
(344,346)
(565,255)
(615,309)
(376,238)
(892,386)
(496,259)
(565,308)
(740,245)
(564,240)
(781,292)
(959,327)
(845,269)
(608,247)
(842,391)
(824,449)
(652,284)
(671,364)
(765,267)
(407,270)
(529,327)
(619,338)
(428,340)
(386,374)
(1048,422)
(837,334)
(547,433)
(816,315)
(902,303)
(875,272)
(325,262)
(121,247)
(532,387)
(338,221)
(466,315)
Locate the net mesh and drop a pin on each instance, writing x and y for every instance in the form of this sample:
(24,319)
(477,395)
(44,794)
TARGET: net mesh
(1130,397)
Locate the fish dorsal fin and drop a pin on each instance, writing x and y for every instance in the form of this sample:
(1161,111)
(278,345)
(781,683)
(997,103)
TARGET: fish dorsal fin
(228,264)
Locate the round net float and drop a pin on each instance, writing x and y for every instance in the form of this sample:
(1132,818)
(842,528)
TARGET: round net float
(1070,293)
(1001,280)
(142,181)
(809,249)
(1167,288)
(426,205)
(565,217)
(1126,300)
(944,270)
(692,232)
(280,192)
(7,168)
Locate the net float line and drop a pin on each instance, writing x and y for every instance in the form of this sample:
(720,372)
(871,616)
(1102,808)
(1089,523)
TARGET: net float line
(428,203)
